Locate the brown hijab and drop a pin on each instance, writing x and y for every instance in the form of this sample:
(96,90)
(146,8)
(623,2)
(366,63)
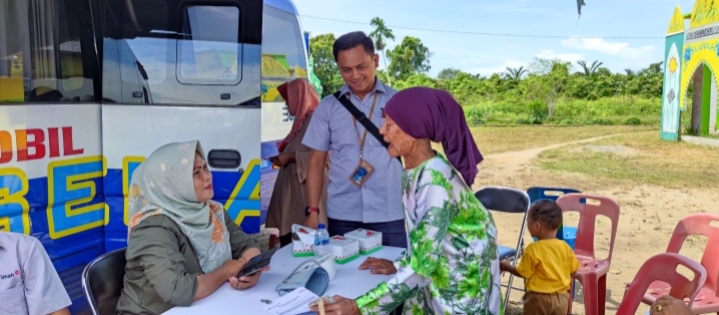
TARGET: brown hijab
(301,100)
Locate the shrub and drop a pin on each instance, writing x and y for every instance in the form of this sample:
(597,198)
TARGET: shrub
(601,121)
(632,121)
(522,121)
(475,117)
(537,112)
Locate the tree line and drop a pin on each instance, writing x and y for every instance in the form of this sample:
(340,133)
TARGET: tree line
(536,94)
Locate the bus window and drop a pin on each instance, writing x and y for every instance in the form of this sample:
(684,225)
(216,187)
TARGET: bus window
(44,55)
(208,56)
(283,52)
(181,53)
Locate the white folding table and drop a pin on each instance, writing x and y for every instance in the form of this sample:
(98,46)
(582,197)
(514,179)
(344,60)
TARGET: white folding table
(349,282)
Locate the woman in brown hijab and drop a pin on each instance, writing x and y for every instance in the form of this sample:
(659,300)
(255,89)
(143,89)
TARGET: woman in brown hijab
(289,197)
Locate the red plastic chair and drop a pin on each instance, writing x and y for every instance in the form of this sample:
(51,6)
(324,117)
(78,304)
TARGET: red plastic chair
(695,224)
(592,273)
(663,267)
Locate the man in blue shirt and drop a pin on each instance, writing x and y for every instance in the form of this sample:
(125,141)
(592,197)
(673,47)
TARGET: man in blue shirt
(372,200)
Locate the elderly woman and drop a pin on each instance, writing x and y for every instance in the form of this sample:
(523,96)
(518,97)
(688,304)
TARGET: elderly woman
(289,196)
(181,245)
(451,265)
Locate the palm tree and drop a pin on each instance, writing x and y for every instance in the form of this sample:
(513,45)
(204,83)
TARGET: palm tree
(630,72)
(589,71)
(515,74)
(655,68)
(380,34)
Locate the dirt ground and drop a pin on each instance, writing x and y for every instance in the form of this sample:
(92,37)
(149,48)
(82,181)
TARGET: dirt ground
(648,214)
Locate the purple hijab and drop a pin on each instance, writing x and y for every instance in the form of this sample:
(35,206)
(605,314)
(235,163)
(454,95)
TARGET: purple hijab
(426,113)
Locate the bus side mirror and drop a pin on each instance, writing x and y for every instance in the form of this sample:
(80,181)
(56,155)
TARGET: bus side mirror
(224,158)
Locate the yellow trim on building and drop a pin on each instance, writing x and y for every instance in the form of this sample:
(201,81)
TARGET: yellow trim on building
(677,23)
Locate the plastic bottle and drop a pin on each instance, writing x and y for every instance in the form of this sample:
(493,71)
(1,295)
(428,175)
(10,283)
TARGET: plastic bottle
(322,240)
(323,253)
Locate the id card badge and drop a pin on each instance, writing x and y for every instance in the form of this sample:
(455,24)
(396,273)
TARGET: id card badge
(361,173)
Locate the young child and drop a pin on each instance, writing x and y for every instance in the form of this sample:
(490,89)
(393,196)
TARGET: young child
(548,264)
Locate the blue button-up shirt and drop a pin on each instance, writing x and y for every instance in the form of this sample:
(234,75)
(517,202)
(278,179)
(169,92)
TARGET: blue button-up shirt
(332,130)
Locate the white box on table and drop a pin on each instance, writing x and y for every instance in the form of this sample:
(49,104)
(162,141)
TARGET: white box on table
(304,246)
(344,249)
(369,241)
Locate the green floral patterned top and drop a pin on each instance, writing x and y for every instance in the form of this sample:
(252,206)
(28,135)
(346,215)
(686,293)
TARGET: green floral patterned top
(451,265)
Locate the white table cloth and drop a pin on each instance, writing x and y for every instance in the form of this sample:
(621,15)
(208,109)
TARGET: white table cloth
(349,282)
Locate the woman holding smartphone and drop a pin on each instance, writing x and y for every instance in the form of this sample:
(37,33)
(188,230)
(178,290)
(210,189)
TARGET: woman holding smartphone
(289,198)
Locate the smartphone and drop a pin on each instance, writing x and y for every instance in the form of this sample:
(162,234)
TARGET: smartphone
(257,263)
(272,160)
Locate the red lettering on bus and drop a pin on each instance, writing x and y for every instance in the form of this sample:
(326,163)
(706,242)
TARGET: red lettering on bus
(30,144)
(5,147)
(24,144)
(67,142)
(53,141)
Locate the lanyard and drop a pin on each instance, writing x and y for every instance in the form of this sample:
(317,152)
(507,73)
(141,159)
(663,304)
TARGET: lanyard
(364,137)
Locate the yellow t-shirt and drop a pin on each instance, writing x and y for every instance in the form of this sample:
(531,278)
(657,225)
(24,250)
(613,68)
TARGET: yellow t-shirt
(547,265)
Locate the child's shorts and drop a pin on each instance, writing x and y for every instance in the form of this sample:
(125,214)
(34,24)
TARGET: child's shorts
(546,304)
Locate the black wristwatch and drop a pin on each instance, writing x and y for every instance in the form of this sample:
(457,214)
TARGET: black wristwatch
(311,209)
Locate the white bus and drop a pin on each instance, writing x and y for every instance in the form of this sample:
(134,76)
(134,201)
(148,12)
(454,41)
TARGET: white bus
(89,88)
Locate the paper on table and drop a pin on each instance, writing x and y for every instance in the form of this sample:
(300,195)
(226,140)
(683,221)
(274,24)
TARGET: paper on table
(293,303)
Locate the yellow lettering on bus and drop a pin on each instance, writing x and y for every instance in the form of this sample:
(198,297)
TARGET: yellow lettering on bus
(13,187)
(72,207)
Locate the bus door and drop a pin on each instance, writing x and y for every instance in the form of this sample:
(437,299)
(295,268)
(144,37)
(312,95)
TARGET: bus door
(178,71)
(51,163)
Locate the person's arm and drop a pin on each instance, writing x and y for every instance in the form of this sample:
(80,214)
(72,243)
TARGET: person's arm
(418,269)
(315,183)
(506,266)
(528,263)
(157,249)
(44,291)
(208,283)
(283,159)
(64,311)
(317,137)
(243,246)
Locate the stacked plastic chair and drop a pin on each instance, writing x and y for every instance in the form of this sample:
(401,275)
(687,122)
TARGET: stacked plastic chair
(663,268)
(707,301)
(592,273)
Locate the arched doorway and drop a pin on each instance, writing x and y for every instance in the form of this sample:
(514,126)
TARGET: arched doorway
(701,105)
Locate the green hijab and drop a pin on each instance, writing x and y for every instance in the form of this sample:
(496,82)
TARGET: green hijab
(163,185)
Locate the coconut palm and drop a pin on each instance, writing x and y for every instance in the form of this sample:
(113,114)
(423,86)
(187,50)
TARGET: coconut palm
(380,34)
(514,74)
(589,71)
(630,73)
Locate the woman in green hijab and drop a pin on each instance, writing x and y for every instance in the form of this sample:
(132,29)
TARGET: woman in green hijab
(181,245)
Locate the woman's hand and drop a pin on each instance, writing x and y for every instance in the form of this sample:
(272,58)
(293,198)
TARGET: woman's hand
(283,159)
(233,266)
(379,266)
(248,281)
(341,306)
(666,305)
